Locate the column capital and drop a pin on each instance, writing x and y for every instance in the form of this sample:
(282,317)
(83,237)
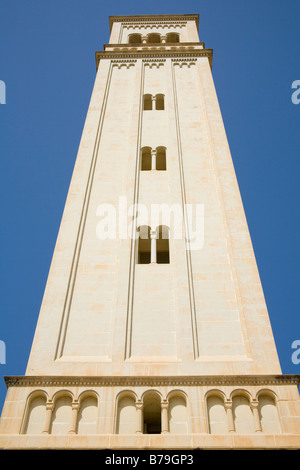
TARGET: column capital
(164,404)
(49,405)
(139,405)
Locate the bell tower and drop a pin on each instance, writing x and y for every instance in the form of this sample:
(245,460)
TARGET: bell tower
(153,330)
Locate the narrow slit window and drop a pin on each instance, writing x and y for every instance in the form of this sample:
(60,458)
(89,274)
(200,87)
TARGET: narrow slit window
(144,245)
(147,102)
(146,159)
(162,245)
(160,102)
(161,163)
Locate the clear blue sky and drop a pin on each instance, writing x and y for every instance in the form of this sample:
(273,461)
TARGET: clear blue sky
(47,60)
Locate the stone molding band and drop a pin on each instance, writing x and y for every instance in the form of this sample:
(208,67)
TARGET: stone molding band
(21,381)
(179,55)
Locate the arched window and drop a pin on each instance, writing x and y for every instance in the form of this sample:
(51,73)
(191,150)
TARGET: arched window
(161,163)
(144,245)
(87,416)
(172,37)
(36,416)
(62,415)
(146,159)
(268,414)
(135,39)
(152,413)
(243,416)
(177,415)
(160,102)
(162,245)
(217,415)
(147,102)
(153,38)
(126,415)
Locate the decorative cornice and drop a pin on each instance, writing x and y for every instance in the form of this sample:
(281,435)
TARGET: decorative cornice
(153,18)
(180,55)
(159,44)
(111,381)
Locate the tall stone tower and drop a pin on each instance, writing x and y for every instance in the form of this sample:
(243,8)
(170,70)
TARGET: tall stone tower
(153,330)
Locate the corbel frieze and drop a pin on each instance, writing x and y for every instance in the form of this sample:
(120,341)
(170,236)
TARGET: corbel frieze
(154,55)
(123,63)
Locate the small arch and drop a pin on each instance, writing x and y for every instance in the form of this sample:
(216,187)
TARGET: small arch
(87,393)
(147,102)
(216,392)
(152,412)
(62,393)
(242,413)
(162,245)
(62,413)
(160,102)
(268,412)
(161,161)
(146,159)
(126,413)
(153,38)
(177,412)
(144,245)
(87,416)
(35,413)
(135,38)
(172,37)
(217,418)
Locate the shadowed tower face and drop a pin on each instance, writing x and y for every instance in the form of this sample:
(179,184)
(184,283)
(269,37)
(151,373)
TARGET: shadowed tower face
(153,322)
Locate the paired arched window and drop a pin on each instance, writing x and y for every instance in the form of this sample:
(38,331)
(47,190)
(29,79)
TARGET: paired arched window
(153,246)
(151,102)
(153,159)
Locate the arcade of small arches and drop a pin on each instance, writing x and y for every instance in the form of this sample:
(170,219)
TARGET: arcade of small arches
(153,38)
(151,413)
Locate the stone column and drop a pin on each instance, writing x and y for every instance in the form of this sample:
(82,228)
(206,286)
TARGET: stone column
(257,423)
(154,107)
(153,155)
(75,409)
(153,246)
(140,420)
(164,417)
(49,409)
(229,412)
